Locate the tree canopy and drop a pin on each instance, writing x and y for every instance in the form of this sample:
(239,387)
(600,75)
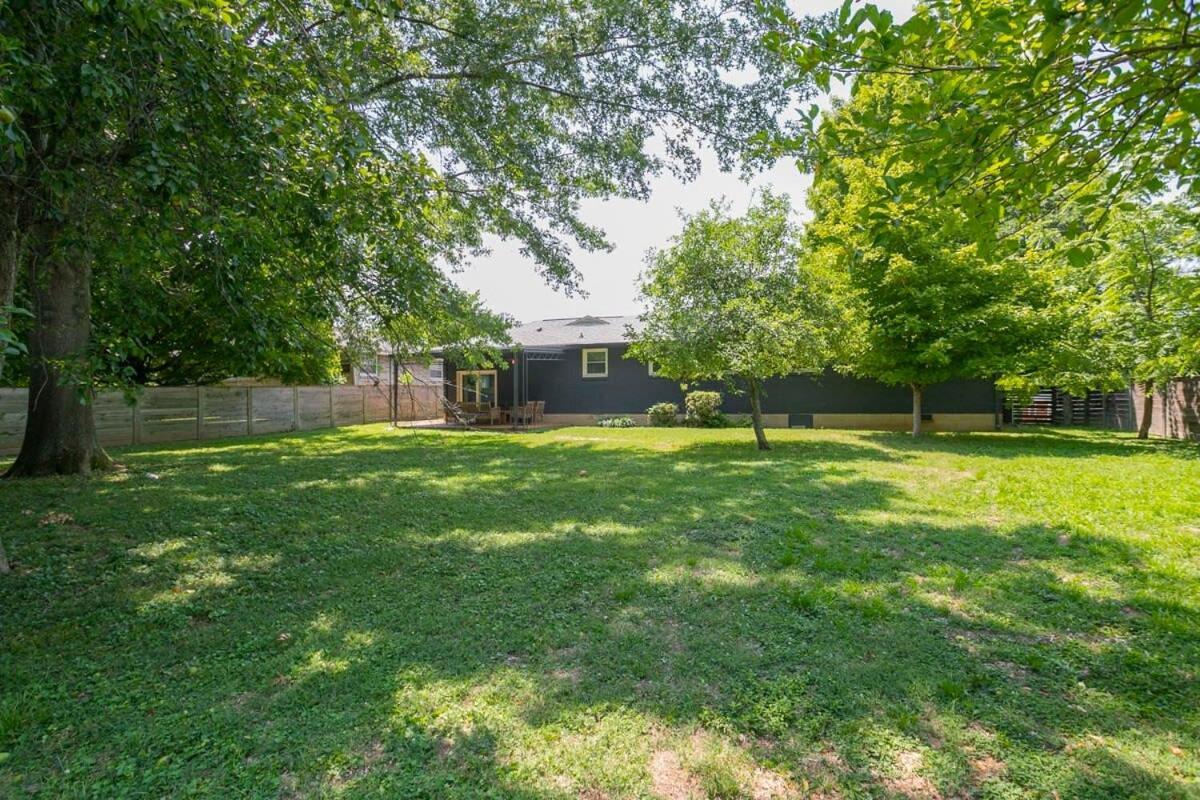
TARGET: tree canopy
(225,184)
(1024,105)
(730,299)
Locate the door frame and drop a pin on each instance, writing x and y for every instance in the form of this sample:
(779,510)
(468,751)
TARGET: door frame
(458,383)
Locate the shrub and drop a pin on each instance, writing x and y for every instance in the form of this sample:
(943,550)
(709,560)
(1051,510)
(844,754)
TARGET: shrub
(662,415)
(704,410)
(615,422)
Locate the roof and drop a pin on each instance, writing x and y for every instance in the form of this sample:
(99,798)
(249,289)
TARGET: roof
(574,331)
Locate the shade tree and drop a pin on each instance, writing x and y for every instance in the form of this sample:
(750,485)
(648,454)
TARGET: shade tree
(1025,106)
(929,301)
(204,187)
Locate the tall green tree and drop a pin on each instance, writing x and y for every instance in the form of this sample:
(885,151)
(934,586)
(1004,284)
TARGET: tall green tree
(222,182)
(1027,105)
(730,299)
(930,303)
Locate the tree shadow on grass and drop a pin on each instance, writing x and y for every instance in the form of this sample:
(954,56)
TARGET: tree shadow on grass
(540,621)
(1040,442)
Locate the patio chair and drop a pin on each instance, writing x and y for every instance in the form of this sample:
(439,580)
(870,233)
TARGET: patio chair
(523,412)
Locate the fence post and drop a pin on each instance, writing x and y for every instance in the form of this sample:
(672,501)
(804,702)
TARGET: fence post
(249,410)
(362,395)
(199,412)
(332,418)
(295,408)
(137,418)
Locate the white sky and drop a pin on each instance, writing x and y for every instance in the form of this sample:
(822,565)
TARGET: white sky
(508,283)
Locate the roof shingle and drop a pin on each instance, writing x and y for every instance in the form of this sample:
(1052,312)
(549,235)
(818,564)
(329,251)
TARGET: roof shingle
(574,331)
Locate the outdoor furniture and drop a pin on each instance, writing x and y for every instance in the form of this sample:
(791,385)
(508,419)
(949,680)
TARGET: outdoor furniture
(523,413)
(528,412)
(473,413)
(459,413)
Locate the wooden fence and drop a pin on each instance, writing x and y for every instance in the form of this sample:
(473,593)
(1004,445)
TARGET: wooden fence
(183,413)
(1176,409)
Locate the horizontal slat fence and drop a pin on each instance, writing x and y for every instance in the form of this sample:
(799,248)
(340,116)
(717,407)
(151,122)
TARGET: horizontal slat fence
(188,413)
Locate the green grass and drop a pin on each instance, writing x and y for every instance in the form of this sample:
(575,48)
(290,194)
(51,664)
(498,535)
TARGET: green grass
(608,613)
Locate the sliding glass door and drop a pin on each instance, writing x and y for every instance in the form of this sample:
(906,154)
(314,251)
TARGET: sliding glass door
(477,386)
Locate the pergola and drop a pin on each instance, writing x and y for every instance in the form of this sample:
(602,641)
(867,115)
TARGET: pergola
(521,358)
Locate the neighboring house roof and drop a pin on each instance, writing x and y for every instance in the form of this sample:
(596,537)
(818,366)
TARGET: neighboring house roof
(574,331)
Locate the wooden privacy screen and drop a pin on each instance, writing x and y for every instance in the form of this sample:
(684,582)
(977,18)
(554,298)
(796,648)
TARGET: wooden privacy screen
(182,413)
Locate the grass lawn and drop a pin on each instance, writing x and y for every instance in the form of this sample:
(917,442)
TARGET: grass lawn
(598,613)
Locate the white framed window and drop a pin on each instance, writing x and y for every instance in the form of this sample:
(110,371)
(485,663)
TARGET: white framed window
(371,371)
(595,362)
(476,386)
(436,371)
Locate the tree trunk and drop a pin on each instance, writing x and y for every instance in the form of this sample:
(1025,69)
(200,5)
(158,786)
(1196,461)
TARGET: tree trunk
(756,413)
(916,409)
(1147,410)
(60,434)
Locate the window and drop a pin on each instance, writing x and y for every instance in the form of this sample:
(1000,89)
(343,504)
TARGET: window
(370,371)
(477,386)
(436,373)
(595,363)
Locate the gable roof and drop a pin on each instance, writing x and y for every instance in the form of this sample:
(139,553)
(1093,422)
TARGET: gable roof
(574,331)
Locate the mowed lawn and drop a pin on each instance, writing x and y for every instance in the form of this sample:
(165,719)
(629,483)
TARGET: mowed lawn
(598,613)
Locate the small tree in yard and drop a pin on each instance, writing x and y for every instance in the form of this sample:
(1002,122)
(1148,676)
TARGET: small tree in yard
(730,300)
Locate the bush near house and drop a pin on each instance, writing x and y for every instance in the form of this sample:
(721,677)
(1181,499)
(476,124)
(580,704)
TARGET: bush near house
(616,422)
(704,410)
(662,415)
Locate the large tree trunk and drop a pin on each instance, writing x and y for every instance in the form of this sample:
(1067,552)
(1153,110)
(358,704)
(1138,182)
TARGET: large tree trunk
(1147,410)
(916,409)
(756,413)
(60,435)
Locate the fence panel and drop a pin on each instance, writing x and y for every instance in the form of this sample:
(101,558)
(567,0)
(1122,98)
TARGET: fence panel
(273,409)
(348,405)
(224,412)
(114,419)
(168,414)
(13,404)
(316,407)
(183,413)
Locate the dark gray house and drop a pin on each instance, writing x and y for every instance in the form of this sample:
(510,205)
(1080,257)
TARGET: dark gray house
(579,369)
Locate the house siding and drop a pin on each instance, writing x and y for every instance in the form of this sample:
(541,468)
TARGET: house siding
(630,389)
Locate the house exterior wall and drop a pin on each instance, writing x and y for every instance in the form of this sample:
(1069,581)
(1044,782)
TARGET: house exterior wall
(379,371)
(832,399)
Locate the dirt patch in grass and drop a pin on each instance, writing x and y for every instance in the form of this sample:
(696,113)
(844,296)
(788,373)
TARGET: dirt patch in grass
(909,783)
(766,784)
(668,779)
(985,768)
